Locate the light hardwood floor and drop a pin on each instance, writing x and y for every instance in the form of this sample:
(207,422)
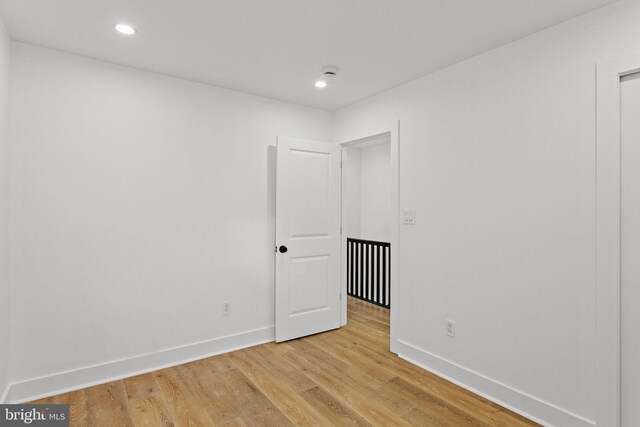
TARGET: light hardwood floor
(342,377)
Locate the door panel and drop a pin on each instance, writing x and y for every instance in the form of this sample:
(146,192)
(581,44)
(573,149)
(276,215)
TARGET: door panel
(307,278)
(310,192)
(308,225)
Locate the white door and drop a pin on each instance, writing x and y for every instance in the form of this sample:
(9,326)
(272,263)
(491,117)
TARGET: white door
(630,250)
(307,237)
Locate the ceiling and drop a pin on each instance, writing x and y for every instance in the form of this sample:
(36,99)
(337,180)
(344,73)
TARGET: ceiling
(277,48)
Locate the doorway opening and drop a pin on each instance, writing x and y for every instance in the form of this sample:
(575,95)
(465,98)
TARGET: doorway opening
(368,188)
(370,230)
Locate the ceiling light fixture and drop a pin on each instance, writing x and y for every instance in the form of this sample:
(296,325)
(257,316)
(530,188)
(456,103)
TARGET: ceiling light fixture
(125,29)
(328,74)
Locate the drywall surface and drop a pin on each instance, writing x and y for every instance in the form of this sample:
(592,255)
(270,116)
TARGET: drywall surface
(497,155)
(354,191)
(368,189)
(4,208)
(375,169)
(142,203)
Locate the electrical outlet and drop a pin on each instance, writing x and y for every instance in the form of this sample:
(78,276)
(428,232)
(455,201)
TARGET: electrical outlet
(226,308)
(451,328)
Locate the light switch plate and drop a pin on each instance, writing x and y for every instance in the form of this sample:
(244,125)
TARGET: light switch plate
(409,216)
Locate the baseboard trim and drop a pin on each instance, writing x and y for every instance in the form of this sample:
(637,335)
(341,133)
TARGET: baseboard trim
(5,395)
(63,382)
(515,400)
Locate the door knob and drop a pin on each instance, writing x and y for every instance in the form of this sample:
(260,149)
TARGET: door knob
(283,249)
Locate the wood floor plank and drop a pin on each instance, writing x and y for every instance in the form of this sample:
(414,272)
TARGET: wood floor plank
(212,394)
(272,362)
(334,364)
(353,391)
(279,348)
(218,363)
(78,409)
(420,418)
(108,405)
(371,320)
(443,413)
(395,402)
(343,377)
(181,404)
(257,409)
(77,401)
(345,355)
(379,338)
(333,409)
(292,405)
(147,407)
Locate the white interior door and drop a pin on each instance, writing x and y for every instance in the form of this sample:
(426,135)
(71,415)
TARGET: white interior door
(630,250)
(307,237)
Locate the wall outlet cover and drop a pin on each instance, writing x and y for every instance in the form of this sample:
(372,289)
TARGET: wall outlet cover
(451,328)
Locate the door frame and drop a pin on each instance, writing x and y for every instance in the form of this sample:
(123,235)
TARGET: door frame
(392,130)
(608,251)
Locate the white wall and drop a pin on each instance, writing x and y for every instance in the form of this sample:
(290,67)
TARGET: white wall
(4,209)
(142,203)
(497,154)
(354,189)
(375,169)
(369,191)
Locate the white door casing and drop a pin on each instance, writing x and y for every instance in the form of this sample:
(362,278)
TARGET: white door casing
(308,215)
(630,249)
(608,237)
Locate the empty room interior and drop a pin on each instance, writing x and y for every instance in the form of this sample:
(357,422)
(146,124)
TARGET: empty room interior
(293,212)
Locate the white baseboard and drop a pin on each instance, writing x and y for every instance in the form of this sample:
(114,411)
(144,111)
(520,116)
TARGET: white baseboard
(515,400)
(5,395)
(63,382)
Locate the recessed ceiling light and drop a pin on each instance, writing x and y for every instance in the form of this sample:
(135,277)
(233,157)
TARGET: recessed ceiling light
(328,75)
(125,29)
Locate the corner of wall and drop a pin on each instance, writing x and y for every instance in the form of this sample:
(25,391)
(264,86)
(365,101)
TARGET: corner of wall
(495,391)
(64,382)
